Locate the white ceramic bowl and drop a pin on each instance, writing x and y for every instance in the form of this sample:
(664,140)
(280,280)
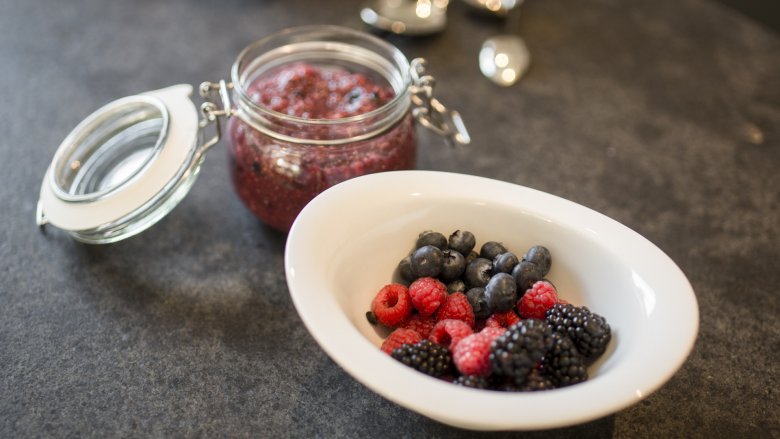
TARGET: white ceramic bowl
(345,245)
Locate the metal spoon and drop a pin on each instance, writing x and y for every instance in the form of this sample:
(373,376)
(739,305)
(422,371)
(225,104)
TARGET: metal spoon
(406,17)
(504,59)
(497,7)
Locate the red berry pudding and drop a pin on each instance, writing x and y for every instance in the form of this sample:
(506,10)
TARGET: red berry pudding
(317,125)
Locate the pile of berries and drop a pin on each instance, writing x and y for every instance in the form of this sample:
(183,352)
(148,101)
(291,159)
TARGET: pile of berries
(487,319)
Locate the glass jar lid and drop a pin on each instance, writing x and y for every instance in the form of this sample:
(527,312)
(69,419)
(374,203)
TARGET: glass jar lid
(124,167)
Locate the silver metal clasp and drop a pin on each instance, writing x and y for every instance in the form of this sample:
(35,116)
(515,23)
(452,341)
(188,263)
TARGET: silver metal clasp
(214,94)
(431,113)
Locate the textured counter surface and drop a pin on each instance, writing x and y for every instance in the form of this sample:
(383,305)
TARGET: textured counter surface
(663,115)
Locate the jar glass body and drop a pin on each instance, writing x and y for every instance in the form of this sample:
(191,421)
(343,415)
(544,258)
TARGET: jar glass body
(279,160)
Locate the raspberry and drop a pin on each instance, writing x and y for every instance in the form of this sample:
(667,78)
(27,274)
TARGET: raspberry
(427,294)
(398,338)
(392,305)
(492,333)
(502,320)
(423,325)
(450,332)
(456,306)
(537,300)
(472,355)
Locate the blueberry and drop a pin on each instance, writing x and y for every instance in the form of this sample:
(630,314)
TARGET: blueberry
(462,241)
(478,272)
(429,237)
(526,274)
(478,302)
(491,249)
(427,261)
(540,256)
(405,269)
(456,286)
(504,263)
(501,292)
(471,256)
(453,265)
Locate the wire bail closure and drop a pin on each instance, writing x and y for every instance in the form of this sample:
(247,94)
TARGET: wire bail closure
(430,112)
(211,111)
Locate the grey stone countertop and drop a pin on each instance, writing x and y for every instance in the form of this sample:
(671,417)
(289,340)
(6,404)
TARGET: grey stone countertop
(662,115)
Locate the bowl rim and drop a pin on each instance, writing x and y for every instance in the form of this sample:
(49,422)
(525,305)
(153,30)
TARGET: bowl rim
(348,347)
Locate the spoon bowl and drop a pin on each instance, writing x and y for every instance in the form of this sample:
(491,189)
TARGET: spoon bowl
(504,59)
(496,7)
(406,17)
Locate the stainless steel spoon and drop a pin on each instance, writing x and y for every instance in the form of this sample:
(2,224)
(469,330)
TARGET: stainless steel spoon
(406,17)
(504,59)
(496,7)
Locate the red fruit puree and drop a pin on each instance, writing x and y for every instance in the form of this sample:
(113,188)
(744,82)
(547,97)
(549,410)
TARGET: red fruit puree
(276,179)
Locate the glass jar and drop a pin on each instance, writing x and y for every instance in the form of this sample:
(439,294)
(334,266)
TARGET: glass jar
(353,112)
(280,158)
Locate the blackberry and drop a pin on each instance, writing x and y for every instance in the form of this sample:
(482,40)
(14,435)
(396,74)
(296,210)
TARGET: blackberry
(540,256)
(501,293)
(536,381)
(515,353)
(506,386)
(563,363)
(453,265)
(504,263)
(462,241)
(429,237)
(425,356)
(491,249)
(590,332)
(427,261)
(473,381)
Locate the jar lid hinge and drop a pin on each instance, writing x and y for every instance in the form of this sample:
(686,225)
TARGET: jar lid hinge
(430,112)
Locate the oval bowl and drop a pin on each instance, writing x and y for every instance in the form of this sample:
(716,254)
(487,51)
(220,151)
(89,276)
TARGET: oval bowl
(346,243)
